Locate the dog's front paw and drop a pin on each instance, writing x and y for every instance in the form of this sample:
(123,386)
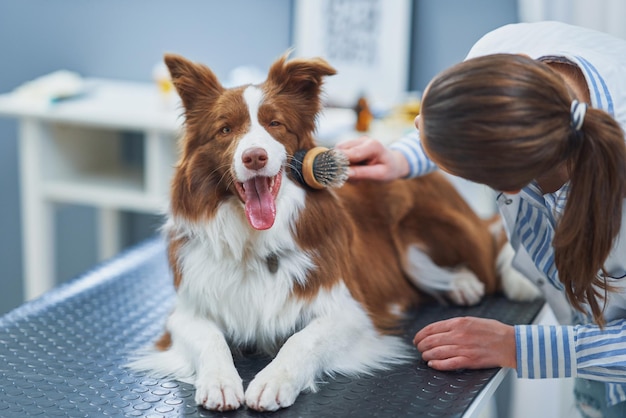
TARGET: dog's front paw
(220,393)
(271,390)
(466,289)
(515,285)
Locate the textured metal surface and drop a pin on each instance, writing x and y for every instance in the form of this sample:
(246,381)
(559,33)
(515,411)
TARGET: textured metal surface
(63,355)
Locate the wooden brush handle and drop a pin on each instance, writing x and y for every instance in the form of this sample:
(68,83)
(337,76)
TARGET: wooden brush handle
(307,167)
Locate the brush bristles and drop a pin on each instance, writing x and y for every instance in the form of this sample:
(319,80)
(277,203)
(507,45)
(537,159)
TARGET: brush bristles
(330,168)
(320,167)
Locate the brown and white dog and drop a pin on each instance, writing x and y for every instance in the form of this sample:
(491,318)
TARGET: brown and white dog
(317,278)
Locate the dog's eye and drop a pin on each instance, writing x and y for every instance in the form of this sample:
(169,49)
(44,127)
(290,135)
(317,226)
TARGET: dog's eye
(274,123)
(225,130)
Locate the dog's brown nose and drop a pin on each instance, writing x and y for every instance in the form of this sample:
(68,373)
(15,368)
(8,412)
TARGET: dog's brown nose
(254,158)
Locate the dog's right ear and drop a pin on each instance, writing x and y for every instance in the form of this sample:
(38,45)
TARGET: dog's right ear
(192,80)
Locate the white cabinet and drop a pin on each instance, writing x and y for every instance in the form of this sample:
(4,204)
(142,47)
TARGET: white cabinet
(71,152)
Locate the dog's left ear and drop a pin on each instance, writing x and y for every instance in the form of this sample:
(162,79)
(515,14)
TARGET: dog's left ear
(302,76)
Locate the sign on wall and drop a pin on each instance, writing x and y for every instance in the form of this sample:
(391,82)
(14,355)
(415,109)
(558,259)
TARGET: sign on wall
(367,41)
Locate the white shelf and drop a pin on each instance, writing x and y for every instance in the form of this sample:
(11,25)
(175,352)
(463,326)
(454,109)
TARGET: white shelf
(109,104)
(72,152)
(118,189)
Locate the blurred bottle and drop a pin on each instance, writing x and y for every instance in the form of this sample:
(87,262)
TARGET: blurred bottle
(364,115)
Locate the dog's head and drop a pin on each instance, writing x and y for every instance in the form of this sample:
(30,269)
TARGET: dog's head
(238,141)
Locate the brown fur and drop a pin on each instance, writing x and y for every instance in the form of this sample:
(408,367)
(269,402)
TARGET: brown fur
(372,226)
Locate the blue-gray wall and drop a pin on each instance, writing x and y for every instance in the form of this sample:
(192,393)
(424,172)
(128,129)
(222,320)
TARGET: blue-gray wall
(445,30)
(125,38)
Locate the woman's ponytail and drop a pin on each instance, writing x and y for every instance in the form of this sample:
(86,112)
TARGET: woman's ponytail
(593,213)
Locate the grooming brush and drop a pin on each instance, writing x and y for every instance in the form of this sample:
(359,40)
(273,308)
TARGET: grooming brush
(320,168)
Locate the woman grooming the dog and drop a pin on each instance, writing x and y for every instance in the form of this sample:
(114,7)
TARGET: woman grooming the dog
(537,112)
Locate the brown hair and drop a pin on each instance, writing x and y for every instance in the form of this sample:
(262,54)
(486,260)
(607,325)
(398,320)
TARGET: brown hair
(503,120)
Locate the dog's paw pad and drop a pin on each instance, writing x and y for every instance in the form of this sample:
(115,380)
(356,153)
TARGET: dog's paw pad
(466,289)
(219,394)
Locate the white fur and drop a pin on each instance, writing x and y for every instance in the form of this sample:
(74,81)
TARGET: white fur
(257,136)
(459,285)
(515,285)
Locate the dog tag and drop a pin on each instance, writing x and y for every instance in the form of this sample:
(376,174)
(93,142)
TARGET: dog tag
(272,262)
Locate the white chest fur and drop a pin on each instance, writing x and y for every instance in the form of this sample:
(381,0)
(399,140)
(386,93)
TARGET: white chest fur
(227,278)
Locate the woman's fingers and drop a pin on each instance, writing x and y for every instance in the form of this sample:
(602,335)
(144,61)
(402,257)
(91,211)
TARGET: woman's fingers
(362,172)
(361,150)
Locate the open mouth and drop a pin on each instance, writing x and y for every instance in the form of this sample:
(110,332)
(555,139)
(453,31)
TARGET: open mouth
(259,197)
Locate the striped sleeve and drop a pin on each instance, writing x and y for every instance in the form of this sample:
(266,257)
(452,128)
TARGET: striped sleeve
(601,353)
(550,351)
(545,351)
(411,147)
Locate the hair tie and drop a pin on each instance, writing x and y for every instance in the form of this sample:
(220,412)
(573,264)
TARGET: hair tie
(577,114)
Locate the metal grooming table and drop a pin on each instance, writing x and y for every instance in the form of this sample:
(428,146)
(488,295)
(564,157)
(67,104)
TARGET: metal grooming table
(63,355)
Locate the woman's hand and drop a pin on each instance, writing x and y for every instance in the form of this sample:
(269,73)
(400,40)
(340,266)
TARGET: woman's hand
(467,343)
(370,159)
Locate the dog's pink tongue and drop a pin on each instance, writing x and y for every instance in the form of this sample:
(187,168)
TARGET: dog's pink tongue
(260,208)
